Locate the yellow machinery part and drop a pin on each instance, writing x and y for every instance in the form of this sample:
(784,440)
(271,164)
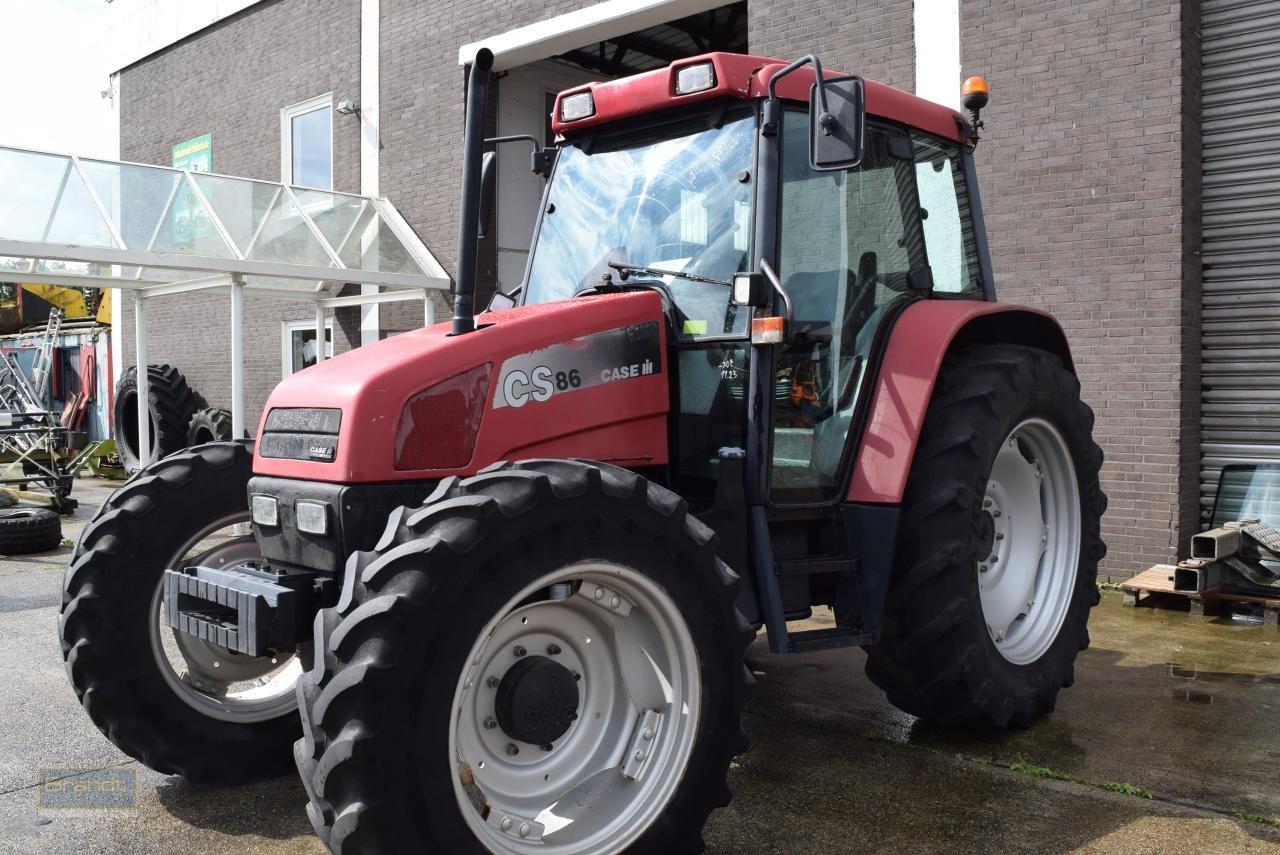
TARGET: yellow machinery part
(70,300)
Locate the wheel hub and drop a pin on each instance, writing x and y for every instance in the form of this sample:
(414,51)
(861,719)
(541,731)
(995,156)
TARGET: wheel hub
(537,700)
(1029,536)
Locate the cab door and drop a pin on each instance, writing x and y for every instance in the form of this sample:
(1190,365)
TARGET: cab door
(851,254)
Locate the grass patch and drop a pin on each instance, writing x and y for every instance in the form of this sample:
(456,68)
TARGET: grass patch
(1109,586)
(1121,787)
(1042,772)
(1262,819)
(1031,770)
(1126,789)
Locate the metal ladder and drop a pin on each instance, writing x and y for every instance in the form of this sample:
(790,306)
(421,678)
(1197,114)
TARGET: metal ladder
(44,359)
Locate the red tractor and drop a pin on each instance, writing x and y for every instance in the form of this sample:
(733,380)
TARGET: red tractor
(502,572)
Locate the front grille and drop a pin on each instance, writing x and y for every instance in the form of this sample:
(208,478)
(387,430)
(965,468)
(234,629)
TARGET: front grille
(301,433)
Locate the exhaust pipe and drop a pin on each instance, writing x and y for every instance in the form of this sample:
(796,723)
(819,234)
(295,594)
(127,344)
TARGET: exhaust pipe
(464,284)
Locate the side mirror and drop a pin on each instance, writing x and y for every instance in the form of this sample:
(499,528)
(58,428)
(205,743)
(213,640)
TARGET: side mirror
(750,289)
(500,302)
(837,113)
(488,172)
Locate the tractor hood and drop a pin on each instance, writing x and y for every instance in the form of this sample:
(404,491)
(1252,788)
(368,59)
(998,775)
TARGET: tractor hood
(583,378)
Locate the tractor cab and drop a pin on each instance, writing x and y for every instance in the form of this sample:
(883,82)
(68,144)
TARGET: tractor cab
(684,198)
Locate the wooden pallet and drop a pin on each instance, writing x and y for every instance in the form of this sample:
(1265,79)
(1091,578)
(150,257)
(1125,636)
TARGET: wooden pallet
(1156,584)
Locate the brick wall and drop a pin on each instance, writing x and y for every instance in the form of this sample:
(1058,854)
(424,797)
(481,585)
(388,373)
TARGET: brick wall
(871,39)
(232,80)
(1088,171)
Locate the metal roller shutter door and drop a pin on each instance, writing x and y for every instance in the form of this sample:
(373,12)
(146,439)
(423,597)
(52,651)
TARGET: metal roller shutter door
(1240,333)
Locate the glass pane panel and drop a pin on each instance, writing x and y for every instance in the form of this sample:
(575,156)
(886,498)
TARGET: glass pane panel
(846,249)
(76,220)
(333,213)
(240,205)
(286,238)
(187,228)
(31,182)
(374,246)
(134,196)
(312,137)
(1248,491)
(74,268)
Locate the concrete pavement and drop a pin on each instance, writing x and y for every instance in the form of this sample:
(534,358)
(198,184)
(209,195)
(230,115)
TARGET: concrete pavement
(1185,708)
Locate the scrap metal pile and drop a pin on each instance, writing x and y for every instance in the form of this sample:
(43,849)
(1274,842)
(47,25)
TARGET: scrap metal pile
(1242,556)
(33,439)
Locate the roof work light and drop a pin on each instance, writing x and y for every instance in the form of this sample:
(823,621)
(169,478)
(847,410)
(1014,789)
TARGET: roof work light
(695,78)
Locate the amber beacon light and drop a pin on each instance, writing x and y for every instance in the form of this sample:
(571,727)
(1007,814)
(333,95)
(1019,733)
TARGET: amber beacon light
(974,94)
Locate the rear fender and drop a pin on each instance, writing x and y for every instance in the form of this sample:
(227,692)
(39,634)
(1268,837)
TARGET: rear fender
(921,338)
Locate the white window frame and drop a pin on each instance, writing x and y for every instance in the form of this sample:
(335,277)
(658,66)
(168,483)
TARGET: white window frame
(287,329)
(287,115)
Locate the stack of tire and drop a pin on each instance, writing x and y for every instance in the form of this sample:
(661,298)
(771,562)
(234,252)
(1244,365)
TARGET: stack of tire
(180,416)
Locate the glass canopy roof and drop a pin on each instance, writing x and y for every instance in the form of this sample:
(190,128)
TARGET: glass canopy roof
(74,221)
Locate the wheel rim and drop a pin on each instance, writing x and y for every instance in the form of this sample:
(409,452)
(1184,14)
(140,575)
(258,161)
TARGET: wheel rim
(615,768)
(212,679)
(1031,519)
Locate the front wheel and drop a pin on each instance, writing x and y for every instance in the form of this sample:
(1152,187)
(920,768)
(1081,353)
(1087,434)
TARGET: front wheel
(999,544)
(174,702)
(545,657)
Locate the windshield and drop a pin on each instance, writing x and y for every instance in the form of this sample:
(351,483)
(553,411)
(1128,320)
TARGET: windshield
(679,204)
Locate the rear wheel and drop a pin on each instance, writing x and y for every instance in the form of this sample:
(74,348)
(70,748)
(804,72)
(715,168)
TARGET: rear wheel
(543,658)
(999,545)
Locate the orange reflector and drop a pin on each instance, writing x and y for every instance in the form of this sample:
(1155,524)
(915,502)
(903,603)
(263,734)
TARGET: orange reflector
(974,86)
(767,330)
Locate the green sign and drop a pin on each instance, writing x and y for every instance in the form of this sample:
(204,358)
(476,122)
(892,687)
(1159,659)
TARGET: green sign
(190,220)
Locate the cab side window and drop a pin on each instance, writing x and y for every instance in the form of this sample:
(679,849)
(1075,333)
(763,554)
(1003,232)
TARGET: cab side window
(948,226)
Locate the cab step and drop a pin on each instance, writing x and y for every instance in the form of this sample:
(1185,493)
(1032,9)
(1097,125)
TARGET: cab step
(827,639)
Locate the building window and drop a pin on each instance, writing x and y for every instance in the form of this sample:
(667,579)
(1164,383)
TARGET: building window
(299,345)
(306,143)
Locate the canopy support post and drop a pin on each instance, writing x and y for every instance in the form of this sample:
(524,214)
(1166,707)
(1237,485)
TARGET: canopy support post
(237,356)
(143,379)
(320,334)
(429,312)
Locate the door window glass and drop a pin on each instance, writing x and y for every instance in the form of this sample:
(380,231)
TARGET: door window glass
(848,242)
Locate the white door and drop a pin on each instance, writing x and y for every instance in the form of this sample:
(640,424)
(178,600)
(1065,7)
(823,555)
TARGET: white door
(524,104)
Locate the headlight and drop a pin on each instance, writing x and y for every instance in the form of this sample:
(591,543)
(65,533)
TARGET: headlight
(695,78)
(265,510)
(313,517)
(575,107)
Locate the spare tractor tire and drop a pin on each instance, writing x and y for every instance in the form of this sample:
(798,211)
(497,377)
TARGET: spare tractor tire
(209,424)
(171,403)
(24,530)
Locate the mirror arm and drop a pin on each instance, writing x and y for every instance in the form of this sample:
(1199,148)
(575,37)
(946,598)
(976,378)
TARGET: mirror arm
(539,162)
(767,269)
(825,118)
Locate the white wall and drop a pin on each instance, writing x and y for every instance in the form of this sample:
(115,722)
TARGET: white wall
(139,28)
(937,43)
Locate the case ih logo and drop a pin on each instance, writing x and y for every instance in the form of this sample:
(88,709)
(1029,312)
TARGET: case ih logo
(593,360)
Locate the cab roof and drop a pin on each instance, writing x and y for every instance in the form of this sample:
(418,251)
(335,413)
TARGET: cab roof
(747,77)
